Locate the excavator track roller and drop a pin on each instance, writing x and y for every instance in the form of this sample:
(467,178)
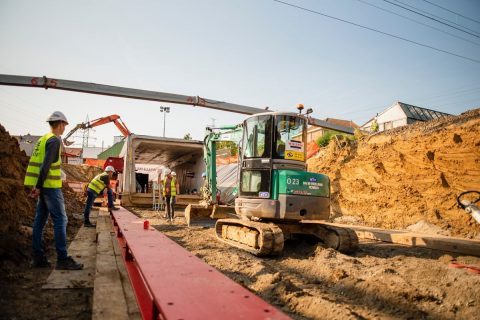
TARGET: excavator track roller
(260,239)
(341,239)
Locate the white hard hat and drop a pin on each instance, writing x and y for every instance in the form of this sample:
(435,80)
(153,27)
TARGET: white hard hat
(110,168)
(57,116)
(174,173)
(167,171)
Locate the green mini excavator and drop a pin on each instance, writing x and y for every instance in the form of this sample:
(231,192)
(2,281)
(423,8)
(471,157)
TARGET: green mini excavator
(276,197)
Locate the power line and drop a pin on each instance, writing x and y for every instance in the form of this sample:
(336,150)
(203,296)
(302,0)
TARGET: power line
(451,94)
(423,24)
(458,14)
(429,17)
(378,31)
(459,91)
(431,14)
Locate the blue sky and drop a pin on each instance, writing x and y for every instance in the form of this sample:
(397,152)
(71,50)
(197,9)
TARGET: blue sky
(251,52)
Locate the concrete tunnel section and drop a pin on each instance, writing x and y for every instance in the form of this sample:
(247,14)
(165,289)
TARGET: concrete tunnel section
(155,154)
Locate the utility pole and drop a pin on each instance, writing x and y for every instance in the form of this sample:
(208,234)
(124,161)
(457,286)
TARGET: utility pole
(165,110)
(86,135)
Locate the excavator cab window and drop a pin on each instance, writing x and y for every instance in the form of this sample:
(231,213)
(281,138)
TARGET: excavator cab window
(257,137)
(289,137)
(255,183)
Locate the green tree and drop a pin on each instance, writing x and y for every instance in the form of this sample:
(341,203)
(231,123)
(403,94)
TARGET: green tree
(187,137)
(228,145)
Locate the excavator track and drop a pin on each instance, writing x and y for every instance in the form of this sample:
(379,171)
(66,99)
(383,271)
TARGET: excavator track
(341,239)
(260,239)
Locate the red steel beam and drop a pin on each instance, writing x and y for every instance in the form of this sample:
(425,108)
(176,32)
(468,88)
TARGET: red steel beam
(172,283)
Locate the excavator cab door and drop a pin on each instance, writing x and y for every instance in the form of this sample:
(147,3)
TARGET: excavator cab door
(256,159)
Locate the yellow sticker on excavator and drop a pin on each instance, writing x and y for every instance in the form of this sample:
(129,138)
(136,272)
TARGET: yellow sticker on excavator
(294,155)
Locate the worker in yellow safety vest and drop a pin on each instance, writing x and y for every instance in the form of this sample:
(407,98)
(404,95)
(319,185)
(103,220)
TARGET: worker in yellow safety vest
(96,187)
(44,177)
(170,191)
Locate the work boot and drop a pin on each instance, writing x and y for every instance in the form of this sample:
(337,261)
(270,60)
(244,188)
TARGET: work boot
(89,225)
(68,264)
(41,262)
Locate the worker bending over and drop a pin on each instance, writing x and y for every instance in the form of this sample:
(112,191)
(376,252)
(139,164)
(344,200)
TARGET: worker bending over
(96,187)
(170,187)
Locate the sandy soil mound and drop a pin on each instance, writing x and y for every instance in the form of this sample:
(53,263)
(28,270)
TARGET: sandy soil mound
(402,176)
(80,173)
(17,210)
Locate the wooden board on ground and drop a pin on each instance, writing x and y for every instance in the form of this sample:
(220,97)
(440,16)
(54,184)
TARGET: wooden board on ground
(146,199)
(443,243)
(82,249)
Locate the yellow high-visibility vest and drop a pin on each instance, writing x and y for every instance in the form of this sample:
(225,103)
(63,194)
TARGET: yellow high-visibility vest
(97,184)
(173,187)
(54,177)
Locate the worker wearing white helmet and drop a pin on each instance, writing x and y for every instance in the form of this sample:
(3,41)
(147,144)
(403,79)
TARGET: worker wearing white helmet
(96,187)
(170,191)
(45,178)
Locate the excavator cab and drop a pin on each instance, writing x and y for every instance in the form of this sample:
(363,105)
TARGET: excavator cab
(273,181)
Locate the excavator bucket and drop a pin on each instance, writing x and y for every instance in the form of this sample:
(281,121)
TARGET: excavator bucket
(205,215)
(199,215)
(68,143)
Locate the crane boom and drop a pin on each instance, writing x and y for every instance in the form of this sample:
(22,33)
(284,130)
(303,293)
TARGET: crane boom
(101,89)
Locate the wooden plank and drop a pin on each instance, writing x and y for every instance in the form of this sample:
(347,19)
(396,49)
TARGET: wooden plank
(82,249)
(442,243)
(108,296)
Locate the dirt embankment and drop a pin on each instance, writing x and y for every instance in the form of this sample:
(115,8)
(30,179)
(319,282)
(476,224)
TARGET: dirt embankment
(80,173)
(399,177)
(17,210)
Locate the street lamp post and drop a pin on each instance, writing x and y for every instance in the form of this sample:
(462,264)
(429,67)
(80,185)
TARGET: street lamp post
(165,110)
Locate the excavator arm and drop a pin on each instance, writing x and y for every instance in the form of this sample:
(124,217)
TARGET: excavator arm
(98,122)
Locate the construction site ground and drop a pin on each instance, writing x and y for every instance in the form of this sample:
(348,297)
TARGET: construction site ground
(380,281)
(406,178)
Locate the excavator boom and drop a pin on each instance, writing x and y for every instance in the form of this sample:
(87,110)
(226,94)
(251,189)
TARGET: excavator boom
(98,122)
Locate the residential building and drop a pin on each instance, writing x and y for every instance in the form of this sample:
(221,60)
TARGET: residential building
(401,114)
(314,132)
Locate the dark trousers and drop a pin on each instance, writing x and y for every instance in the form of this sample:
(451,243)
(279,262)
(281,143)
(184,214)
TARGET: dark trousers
(170,206)
(50,202)
(91,195)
